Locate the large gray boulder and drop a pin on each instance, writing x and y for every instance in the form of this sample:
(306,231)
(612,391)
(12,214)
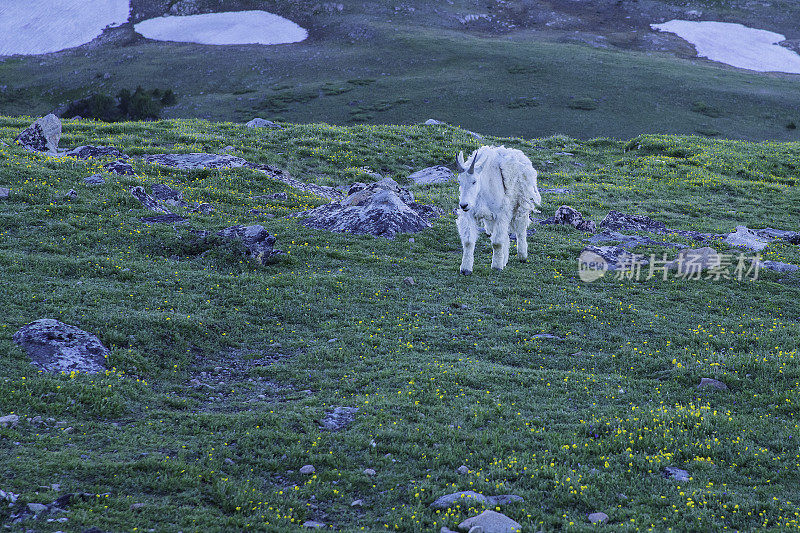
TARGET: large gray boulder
(58,347)
(383,209)
(43,135)
(747,238)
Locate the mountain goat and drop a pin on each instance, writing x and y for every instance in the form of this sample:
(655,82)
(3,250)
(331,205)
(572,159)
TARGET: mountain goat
(498,190)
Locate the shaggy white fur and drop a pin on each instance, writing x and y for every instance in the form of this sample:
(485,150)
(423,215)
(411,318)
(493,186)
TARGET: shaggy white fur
(499,191)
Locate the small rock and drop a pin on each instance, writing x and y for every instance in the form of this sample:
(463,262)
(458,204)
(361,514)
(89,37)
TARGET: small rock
(676,473)
(94,152)
(307,469)
(747,238)
(369,471)
(547,336)
(9,421)
(135,506)
(490,522)
(462,469)
(119,167)
(411,240)
(339,418)
(357,503)
(263,123)
(463,498)
(72,193)
(434,122)
(5,192)
(94,179)
(203,208)
(777,266)
(257,241)
(569,216)
(710,383)
(37,507)
(409,281)
(229,461)
(430,175)
(227,149)
(598,518)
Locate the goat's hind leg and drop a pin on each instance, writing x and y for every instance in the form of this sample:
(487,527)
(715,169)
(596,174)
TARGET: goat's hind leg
(468,231)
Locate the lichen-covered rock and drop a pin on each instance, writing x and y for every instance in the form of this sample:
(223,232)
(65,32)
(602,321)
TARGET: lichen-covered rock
(615,220)
(262,123)
(747,238)
(777,266)
(94,152)
(257,241)
(43,135)
(490,522)
(148,201)
(168,195)
(119,167)
(571,217)
(59,347)
(383,209)
(339,418)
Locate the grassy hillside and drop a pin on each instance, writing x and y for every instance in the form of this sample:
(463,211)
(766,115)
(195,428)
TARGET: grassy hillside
(445,372)
(527,71)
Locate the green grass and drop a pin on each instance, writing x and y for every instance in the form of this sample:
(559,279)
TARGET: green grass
(445,372)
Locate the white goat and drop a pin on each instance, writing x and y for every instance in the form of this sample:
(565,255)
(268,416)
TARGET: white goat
(498,190)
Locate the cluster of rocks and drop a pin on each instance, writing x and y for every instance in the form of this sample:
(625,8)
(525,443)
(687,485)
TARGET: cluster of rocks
(382,209)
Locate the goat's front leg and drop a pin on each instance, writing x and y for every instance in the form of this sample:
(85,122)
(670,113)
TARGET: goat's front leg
(468,231)
(520,226)
(500,244)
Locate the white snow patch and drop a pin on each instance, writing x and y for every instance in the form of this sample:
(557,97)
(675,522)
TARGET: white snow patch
(44,26)
(235,27)
(736,45)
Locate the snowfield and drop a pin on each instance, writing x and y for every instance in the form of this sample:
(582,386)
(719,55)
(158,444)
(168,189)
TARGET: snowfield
(237,27)
(736,45)
(44,26)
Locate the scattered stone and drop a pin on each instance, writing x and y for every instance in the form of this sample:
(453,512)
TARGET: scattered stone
(369,471)
(42,136)
(227,149)
(203,208)
(598,518)
(620,221)
(469,497)
(307,470)
(547,336)
(119,167)
(275,196)
(5,192)
(430,175)
(195,160)
(568,216)
(94,179)
(37,507)
(490,522)
(228,461)
(9,421)
(72,193)
(615,257)
(434,122)
(411,240)
(628,241)
(311,524)
(257,241)
(409,281)
(59,347)
(148,201)
(168,195)
(747,238)
(357,503)
(462,470)
(710,383)
(95,152)
(777,266)
(694,260)
(676,473)
(8,496)
(383,209)
(135,506)
(772,233)
(339,418)
(263,123)
(170,218)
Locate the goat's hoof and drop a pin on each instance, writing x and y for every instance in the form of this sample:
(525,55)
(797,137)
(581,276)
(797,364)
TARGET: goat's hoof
(465,272)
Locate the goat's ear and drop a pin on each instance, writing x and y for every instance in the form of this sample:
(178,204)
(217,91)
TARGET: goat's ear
(460,163)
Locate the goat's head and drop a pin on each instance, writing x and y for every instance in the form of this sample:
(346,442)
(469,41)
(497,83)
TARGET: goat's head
(467,182)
